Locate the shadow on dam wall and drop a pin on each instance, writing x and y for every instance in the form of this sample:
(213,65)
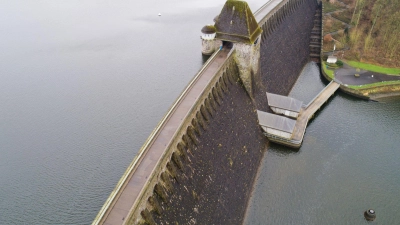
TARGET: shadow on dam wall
(284,52)
(215,174)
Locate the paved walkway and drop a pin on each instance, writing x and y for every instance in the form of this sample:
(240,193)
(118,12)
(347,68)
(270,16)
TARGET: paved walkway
(135,180)
(265,9)
(313,106)
(346,76)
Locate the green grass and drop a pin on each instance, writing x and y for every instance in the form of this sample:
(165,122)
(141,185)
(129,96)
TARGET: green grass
(327,71)
(379,84)
(374,68)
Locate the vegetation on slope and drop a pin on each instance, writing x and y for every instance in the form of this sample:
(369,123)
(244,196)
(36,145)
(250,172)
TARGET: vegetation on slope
(374,68)
(374,37)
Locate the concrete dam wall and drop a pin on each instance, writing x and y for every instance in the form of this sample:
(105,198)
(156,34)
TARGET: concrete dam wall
(284,52)
(199,165)
(219,165)
(218,168)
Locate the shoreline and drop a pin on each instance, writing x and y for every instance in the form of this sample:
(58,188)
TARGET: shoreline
(369,93)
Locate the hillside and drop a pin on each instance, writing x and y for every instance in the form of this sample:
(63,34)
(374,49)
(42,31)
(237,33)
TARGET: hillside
(374,31)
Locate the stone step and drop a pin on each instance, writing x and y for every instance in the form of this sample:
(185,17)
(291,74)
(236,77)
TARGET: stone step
(314,55)
(315,50)
(315,46)
(315,37)
(315,43)
(316,32)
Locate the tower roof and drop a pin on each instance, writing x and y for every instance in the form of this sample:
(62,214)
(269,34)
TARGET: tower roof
(208,29)
(216,18)
(236,23)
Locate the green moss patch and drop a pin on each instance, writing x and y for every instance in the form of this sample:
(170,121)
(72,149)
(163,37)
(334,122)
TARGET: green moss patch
(374,85)
(374,68)
(327,71)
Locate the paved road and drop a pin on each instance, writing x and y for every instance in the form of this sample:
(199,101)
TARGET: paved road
(346,76)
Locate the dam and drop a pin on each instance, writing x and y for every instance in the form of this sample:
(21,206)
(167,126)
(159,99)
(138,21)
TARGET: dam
(203,156)
(76,110)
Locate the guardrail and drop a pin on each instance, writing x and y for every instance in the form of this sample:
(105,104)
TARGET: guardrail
(262,7)
(319,94)
(132,167)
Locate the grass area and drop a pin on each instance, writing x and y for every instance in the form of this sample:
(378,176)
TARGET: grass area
(327,71)
(373,85)
(374,68)
(329,7)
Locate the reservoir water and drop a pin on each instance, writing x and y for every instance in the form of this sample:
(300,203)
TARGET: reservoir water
(82,85)
(348,163)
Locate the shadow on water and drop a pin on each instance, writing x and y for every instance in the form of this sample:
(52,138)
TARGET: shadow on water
(388,99)
(321,76)
(205,58)
(281,150)
(351,98)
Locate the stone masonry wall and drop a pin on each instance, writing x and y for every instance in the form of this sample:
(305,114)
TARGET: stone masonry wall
(217,173)
(212,176)
(208,47)
(284,52)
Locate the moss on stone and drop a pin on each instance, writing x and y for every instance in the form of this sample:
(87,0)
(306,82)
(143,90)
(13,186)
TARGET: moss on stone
(236,23)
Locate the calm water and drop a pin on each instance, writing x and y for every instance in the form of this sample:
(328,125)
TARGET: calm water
(349,162)
(82,85)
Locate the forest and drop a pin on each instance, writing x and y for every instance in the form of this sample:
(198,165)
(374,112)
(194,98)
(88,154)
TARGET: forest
(368,30)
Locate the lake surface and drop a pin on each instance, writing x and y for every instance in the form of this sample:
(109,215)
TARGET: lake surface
(82,85)
(348,162)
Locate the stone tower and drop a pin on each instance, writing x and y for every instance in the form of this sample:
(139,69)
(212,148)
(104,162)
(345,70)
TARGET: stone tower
(209,43)
(236,24)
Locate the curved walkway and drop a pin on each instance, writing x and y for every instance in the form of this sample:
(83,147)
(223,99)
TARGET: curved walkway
(117,207)
(346,75)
